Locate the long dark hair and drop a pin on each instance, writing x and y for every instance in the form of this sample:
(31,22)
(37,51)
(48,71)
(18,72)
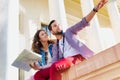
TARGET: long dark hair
(36,45)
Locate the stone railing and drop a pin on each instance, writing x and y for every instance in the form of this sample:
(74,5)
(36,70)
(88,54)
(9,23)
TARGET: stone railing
(102,66)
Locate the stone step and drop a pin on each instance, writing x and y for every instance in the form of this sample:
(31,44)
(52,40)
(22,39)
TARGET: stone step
(103,66)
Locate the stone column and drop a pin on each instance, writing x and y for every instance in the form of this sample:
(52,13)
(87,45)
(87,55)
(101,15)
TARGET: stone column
(114,18)
(57,12)
(12,40)
(3,38)
(92,32)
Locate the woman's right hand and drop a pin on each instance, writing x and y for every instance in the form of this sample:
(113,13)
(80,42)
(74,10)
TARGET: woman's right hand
(35,66)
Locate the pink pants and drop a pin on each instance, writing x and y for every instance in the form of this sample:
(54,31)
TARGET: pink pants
(54,72)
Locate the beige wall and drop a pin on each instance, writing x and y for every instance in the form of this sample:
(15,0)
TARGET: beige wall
(36,9)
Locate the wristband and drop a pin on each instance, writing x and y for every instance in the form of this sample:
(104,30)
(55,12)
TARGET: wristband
(95,10)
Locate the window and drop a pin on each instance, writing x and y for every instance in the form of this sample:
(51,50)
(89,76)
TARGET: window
(45,27)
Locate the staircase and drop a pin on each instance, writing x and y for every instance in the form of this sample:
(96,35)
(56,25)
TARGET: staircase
(102,66)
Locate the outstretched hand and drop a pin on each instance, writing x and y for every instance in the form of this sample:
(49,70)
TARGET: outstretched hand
(101,4)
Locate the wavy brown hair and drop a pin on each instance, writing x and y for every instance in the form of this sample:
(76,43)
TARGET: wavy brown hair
(36,45)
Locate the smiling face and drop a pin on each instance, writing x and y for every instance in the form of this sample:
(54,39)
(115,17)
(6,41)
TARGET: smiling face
(43,36)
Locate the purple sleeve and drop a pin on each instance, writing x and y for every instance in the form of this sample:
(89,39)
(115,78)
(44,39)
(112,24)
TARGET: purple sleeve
(78,26)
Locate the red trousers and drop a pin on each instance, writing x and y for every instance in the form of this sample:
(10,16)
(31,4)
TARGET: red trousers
(54,72)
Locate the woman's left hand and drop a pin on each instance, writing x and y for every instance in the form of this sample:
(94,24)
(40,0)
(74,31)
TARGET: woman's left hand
(62,67)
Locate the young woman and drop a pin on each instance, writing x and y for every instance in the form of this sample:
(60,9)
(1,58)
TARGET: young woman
(43,46)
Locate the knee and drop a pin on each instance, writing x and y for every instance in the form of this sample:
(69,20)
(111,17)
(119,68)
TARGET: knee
(53,66)
(37,75)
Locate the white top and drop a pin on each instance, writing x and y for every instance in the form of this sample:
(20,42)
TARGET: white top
(49,61)
(49,58)
(68,50)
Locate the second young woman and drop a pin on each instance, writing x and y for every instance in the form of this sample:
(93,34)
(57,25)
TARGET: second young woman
(43,46)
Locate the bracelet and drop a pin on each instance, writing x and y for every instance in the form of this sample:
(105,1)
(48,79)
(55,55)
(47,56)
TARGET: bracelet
(95,10)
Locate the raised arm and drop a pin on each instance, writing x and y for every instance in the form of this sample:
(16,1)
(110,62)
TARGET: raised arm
(95,9)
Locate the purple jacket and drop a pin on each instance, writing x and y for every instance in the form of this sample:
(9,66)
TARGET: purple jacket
(70,36)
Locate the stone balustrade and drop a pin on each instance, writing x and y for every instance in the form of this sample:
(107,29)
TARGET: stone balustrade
(103,66)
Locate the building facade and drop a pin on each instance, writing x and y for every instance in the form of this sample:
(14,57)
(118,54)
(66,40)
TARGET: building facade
(21,18)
